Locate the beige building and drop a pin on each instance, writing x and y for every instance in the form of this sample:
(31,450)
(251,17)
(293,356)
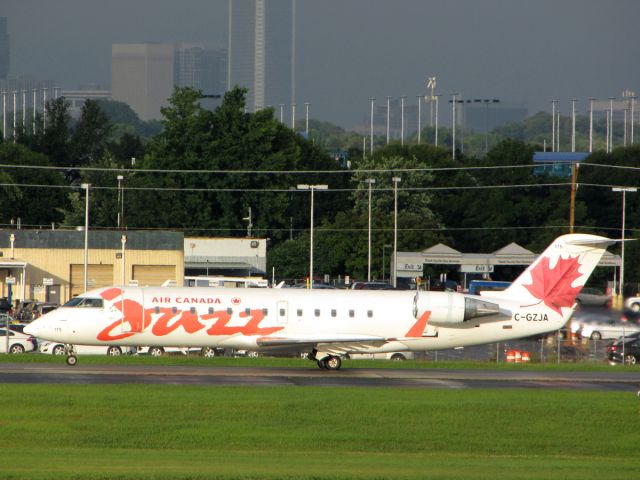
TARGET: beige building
(142,76)
(48,265)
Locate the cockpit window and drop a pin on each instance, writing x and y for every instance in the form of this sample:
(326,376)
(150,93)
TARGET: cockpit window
(85,302)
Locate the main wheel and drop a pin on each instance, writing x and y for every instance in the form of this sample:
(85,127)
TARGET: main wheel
(16,349)
(596,336)
(635,307)
(58,350)
(72,360)
(630,359)
(114,351)
(333,363)
(398,357)
(156,351)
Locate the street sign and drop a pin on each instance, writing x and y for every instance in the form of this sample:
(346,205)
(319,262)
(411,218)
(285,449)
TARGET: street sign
(10,280)
(47,281)
(476,268)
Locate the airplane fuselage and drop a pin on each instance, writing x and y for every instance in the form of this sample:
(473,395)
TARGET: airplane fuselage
(254,319)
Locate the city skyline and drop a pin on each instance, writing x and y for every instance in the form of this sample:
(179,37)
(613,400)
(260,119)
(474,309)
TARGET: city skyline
(526,53)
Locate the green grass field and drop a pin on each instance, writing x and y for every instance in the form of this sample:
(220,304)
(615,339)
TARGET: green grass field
(193,432)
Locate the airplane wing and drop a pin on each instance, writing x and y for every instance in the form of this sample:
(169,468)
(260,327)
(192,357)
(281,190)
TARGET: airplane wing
(330,344)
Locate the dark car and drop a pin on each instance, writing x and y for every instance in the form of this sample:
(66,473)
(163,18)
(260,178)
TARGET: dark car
(593,297)
(372,286)
(627,350)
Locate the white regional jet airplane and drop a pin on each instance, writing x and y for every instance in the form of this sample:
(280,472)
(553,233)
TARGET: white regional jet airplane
(329,323)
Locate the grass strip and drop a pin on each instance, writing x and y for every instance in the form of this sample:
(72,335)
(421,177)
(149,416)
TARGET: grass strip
(186,432)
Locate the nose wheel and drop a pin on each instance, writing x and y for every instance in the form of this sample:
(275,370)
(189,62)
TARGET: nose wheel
(70,351)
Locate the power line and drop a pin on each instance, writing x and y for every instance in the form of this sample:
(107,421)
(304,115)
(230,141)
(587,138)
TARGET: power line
(268,172)
(293,190)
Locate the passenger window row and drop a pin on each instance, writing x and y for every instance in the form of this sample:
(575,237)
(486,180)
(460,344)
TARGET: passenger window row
(265,311)
(334,313)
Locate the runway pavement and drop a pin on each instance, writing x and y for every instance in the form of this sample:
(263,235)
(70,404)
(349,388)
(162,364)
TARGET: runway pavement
(312,376)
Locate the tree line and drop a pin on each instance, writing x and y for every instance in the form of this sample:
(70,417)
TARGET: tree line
(199,171)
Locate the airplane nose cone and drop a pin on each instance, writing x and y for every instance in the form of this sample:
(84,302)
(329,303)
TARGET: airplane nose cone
(32,329)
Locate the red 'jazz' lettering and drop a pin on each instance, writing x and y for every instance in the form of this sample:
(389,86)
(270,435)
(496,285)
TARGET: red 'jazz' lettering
(139,319)
(188,321)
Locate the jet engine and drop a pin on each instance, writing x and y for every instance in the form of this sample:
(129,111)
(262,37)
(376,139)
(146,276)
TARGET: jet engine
(450,307)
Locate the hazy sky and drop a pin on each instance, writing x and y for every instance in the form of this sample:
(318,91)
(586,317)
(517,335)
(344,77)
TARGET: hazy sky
(522,51)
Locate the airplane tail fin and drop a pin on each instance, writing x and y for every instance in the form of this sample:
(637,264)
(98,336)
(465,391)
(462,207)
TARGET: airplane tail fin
(556,277)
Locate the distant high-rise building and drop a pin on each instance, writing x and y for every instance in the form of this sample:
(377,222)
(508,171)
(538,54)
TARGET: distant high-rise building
(201,67)
(261,50)
(4,48)
(142,75)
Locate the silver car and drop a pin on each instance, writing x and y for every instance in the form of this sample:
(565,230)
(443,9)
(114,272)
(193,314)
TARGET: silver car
(608,329)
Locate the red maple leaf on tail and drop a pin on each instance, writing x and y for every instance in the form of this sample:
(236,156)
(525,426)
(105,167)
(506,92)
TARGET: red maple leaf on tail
(553,286)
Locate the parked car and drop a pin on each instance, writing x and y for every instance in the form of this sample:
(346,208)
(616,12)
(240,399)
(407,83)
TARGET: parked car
(396,356)
(627,350)
(42,308)
(56,348)
(633,304)
(608,329)
(592,297)
(18,342)
(371,286)
(160,351)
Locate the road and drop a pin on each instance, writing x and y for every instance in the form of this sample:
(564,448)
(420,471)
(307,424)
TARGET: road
(347,377)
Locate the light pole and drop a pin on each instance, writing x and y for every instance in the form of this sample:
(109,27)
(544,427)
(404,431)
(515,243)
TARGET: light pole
(34,110)
(624,191)
(306,116)
(370,181)
(436,133)
(633,101)
(293,117)
(453,143)
(591,100)
(553,125)
(123,241)
(419,118)
(431,84)
(402,119)
(282,113)
(44,109)
(371,127)
(120,202)
(24,111)
(384,247)
(388,117)
(4,115)
(395,181)
(573,125)
(86,236)
(611,99)
(311,188)
(14,116)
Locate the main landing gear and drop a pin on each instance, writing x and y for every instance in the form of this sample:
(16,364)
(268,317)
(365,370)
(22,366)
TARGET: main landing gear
(327,362)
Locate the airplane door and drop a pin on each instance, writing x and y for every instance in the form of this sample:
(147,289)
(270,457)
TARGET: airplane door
(282,312)
(132,308)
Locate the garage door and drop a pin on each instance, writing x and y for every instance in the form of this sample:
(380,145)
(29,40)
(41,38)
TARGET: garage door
(99,276)
(153,275)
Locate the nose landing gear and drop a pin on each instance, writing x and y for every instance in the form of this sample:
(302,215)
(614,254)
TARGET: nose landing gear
(70,352)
